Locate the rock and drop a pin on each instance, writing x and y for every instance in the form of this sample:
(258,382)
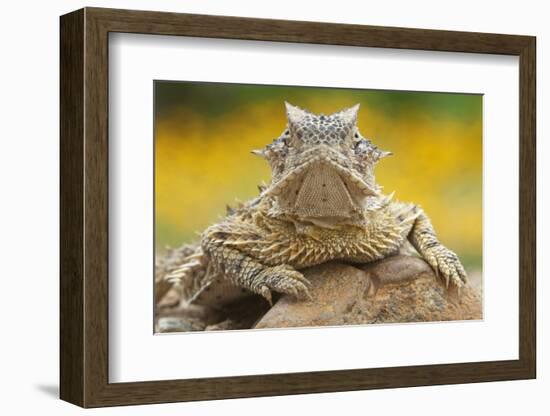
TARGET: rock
(177,324)
(396,289)
(242,314)
(335,289)
(392,290)
(183,317)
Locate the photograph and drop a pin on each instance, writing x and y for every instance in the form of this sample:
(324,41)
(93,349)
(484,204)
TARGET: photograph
(297,206)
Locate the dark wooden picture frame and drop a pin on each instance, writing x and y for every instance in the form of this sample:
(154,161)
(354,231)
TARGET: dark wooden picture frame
(84,207)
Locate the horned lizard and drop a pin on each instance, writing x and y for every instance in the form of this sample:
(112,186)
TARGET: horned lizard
(322,204)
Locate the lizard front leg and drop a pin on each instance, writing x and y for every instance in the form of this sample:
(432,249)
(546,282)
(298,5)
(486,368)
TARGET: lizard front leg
(444,261)
(246,271)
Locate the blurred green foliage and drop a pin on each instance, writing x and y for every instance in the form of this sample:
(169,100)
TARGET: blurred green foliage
(204,133)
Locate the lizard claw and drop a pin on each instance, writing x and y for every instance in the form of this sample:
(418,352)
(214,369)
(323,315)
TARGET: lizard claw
(447,266)
(284,279)
(266,293)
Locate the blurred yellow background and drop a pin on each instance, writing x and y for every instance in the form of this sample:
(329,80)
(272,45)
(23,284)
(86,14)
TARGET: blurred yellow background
(204,133)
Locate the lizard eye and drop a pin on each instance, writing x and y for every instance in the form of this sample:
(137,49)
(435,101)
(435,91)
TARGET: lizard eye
(362,147)
(278,147)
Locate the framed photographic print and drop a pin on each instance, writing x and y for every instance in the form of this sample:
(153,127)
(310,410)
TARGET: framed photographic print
(255,207)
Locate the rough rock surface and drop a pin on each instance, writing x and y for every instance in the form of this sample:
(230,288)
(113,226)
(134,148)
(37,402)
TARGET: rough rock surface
(394,290)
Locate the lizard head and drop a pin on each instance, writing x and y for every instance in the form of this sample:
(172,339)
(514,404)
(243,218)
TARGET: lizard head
(322,167)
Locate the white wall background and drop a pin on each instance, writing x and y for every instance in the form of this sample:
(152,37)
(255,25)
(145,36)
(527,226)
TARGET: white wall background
(29,86)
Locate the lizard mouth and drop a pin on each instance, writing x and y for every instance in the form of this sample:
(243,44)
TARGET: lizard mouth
(321,188)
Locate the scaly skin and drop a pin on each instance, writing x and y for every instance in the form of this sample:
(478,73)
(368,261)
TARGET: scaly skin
(322,204)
